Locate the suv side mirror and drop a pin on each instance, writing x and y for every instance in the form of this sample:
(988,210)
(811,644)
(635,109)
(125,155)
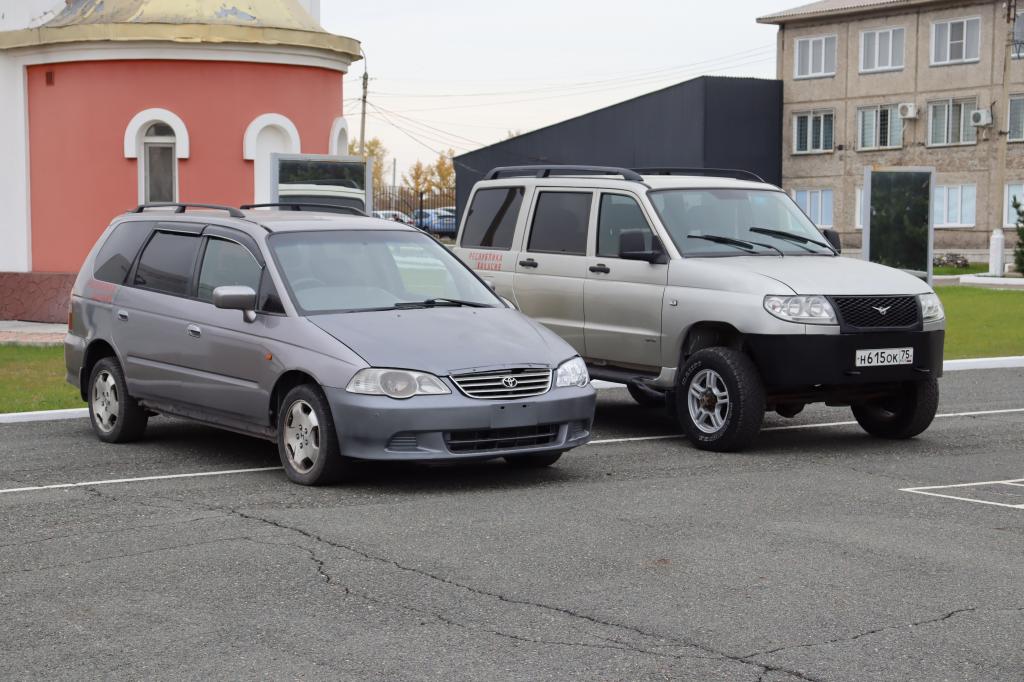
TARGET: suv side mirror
(832,237)
(632,247)
(236,298)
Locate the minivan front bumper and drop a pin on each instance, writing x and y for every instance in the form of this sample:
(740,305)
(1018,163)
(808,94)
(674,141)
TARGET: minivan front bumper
(446,427)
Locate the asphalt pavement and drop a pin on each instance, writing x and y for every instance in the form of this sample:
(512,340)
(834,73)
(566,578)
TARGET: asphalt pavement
(804,558)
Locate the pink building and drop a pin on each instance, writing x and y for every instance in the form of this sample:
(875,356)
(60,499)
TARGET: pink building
(112,103)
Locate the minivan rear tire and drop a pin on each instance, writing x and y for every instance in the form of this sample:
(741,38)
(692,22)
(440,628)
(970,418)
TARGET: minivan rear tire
(115,415)
(716,373)
(307,441)
(903,415)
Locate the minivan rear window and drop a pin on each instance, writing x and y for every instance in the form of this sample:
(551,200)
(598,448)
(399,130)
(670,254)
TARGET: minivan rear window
(560,223)
(167,262)
(115,258)
(491,218)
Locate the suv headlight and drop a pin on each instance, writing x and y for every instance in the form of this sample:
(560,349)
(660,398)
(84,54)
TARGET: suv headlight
(802,309)
(931,308)
(572,373)
(395,383)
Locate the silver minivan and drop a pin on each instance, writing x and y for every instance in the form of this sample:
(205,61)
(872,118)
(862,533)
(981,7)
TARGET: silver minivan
(709,292)
(341,338)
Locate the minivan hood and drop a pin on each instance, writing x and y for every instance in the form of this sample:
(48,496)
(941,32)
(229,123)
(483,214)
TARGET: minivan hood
(828,275)
(446,340)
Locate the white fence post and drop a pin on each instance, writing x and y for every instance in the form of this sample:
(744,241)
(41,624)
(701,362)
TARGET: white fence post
(995,253)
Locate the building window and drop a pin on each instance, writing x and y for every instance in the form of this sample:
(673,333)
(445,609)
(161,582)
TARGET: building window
(817,204)
(1014,190)
(812,131)
(159,164)
(815,57)
(956,41)
(881,50)
(858,208)
(1016,119)
(1017,50)
(879,127)
(954,205)
(949,122)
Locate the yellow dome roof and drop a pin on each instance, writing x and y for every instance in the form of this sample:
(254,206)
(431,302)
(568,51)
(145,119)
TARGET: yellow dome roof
(266,22)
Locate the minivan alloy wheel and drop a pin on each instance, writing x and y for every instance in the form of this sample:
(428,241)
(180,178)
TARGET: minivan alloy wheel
(302,436)
(105,402)
(708,401)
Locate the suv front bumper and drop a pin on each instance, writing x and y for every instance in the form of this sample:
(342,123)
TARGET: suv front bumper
(446,427)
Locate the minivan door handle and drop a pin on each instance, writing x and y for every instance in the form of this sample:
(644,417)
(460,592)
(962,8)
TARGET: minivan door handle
(122,315)
(528,263)
(194,331)
(600,267)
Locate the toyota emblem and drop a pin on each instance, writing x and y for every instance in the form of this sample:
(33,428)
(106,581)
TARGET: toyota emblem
(509,382)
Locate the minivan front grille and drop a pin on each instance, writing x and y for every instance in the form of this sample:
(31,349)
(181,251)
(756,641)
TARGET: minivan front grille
(485,440)
(877,312)
(507,384)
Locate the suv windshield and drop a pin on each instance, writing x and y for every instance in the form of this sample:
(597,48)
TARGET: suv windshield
(708,222)
(355,270)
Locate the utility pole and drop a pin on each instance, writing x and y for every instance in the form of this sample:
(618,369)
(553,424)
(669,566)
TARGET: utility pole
(362,122)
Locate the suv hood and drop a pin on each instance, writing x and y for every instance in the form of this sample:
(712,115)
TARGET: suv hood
(446,340)
(828,275)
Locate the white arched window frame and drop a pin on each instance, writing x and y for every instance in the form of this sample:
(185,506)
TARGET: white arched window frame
(157,138)
(338,143)
(268,134)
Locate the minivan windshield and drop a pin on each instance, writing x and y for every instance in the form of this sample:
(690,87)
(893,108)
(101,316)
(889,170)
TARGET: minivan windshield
(736,222)
(334,271)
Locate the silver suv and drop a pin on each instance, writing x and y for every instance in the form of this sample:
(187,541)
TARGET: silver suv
(711,292)
(338,337)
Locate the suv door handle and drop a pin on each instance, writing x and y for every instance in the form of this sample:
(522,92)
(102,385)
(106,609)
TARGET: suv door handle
(122,315)
(600,267)
(528,263)
(194,331)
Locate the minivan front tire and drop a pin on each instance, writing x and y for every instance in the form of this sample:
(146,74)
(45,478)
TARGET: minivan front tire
(116,416)
(902,415)
(720,400)
(307,441)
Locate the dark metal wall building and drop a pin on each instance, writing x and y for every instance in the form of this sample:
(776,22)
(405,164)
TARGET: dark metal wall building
(707,122)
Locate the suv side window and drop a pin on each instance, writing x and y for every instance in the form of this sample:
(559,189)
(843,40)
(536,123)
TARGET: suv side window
(620,214)
(116,256)
(167,263)
(491,218)
(560,222)
(227,263)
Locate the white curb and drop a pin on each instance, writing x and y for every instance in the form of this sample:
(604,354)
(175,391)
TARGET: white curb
(43,415)
(983,363)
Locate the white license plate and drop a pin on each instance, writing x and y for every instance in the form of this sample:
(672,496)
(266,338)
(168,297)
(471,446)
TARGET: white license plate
(881,357)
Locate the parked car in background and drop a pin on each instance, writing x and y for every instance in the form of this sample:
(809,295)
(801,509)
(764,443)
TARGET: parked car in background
(713,295)
(397,216)
(309,329)
(435,220)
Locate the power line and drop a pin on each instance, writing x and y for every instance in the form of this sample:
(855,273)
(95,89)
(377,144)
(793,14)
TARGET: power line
(420,142)
(424,125)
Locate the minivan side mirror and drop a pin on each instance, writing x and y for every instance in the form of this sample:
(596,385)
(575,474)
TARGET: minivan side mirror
(832,237)
(632,247)
(236,298)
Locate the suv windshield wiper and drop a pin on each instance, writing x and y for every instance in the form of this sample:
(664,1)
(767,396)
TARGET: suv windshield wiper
(738,243)
(431,302)
(789,236)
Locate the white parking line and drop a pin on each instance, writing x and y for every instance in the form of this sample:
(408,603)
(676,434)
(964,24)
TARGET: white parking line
(929,490)
(164,477)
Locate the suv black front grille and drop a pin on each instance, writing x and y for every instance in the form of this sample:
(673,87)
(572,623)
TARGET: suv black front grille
(483,440)
(877,312)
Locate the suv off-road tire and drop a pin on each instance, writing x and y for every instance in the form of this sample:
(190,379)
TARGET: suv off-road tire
(116,417)
(901,416)
(644,396)
(305,424)
(741,422)
(538,461)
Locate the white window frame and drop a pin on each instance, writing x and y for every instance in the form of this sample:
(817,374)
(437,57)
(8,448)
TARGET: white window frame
(965,121)
(1007,223)
(894,113)
(949,33)
(1009,119)
(811,73)
(858,207)
(891,30)
(820,114)
(151,142)
(961,223)
(820,191)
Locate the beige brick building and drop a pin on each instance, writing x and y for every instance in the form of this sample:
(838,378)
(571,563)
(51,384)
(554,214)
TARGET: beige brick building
(855,71)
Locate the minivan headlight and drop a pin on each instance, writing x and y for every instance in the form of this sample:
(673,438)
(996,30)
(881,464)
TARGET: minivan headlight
(395,383)
(572,373)
(802,309)
(931,308)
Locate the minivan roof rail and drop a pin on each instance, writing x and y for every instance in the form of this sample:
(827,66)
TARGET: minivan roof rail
(548,171)
(711,172)
(180,207)
(305,206)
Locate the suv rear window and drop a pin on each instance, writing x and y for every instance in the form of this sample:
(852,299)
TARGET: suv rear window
(491,218)
(560,223)
(115,258)
(167,262)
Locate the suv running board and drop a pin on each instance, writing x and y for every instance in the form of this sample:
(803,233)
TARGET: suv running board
(619,375)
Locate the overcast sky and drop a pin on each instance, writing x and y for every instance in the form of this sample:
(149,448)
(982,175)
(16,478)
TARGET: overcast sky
(460,74)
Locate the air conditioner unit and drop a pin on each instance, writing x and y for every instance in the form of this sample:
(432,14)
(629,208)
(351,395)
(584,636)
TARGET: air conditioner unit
(981,118)
(908,110)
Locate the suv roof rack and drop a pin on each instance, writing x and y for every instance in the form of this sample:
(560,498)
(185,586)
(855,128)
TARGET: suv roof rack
(548,171)
(180,207)
(305,205)
(712,172)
